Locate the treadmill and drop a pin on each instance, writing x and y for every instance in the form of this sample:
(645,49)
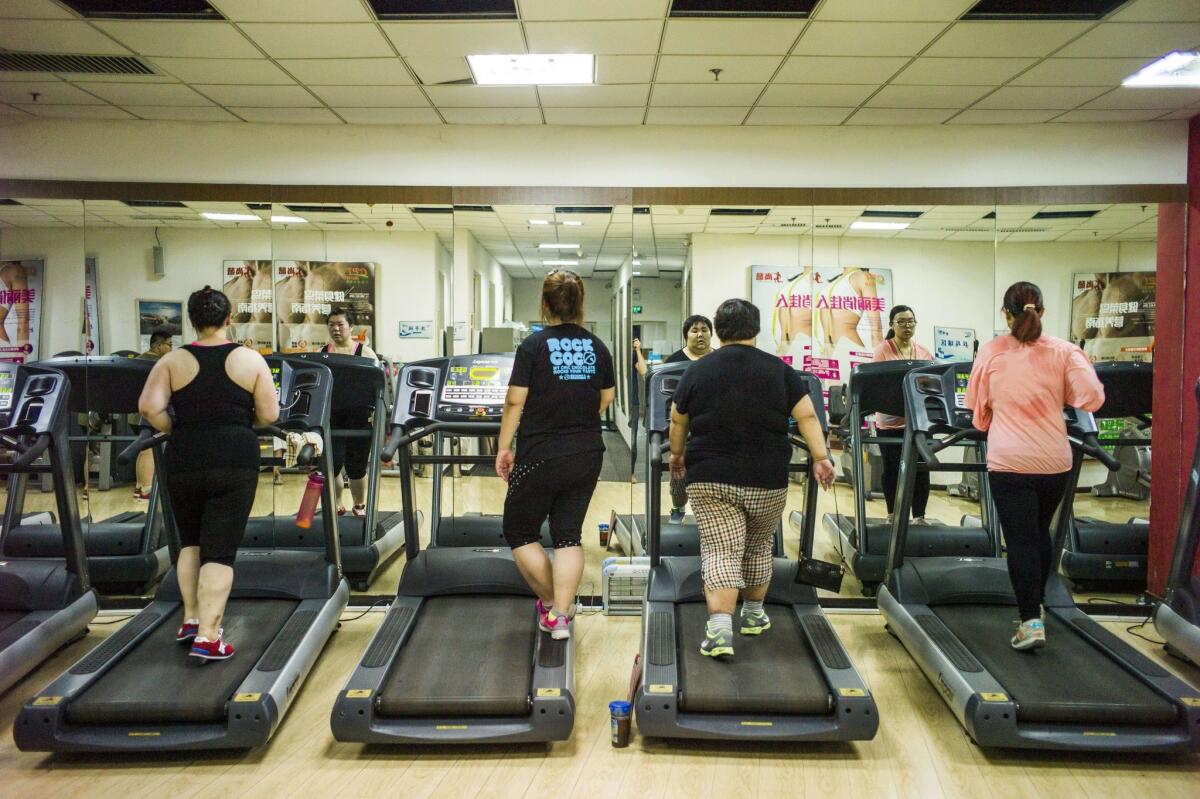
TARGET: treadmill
(1177,617)
(1086,689)
(877,388)
(497,679)
(793,683)
(45,603)
(1106,554)
(140,691)
(126,553)
(368,543)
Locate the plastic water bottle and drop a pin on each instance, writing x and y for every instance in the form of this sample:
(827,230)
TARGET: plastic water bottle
(308,503)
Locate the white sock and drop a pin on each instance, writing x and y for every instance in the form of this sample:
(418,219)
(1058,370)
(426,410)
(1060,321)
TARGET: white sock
(751,606)
(721,623)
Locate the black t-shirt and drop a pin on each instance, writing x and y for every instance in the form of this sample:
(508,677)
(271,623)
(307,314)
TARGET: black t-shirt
(738,401)
(677,356)
(565,368)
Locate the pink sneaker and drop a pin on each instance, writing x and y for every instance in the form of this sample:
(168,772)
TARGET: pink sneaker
(558,626)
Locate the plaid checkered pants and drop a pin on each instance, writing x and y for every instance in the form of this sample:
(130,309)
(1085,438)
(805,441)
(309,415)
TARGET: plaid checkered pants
(737,532)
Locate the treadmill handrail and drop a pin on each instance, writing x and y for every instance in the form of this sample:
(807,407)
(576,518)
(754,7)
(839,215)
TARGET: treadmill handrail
(400,437)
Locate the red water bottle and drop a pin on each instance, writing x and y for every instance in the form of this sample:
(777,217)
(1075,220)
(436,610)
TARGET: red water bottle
(308,503)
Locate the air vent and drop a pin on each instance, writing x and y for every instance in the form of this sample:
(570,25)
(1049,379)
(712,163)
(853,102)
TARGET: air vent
(739,212)
(828,226)
(144,9)
(790,225)
(446,210)
(800,9)
(1041,9)
(317,209)
(1022,229)
(444,9)
(486,209)
(968,229)
(259,206)
(1065,214)
(74,64)
(891,214)
(154,204)
(642,209)
(9,202)
(583,209)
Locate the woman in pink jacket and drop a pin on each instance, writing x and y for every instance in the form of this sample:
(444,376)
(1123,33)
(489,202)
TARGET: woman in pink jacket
(1018,388)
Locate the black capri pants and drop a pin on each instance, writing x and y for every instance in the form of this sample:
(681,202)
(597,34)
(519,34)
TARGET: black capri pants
(1026,504)
(211,508)
(558,488)
(351,453)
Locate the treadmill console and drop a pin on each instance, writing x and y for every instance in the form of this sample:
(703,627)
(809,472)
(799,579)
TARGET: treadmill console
(878,386)
(357,381)
(305,393)
(935,398)
(462,388)
(31,399)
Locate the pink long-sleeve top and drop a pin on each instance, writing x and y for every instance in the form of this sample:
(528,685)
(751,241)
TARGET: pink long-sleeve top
(888,351)
(1018,391)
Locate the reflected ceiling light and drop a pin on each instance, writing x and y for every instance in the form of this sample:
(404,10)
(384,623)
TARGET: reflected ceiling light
(871,224)
(220,217)
(637,263)
(573,224)
(544,69)
(1176,69)
(558,246)
(289,220)
(560,263)
(636,274)
(539,221)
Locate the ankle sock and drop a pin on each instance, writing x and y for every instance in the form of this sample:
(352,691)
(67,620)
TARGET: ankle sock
(721,623)
(750,606)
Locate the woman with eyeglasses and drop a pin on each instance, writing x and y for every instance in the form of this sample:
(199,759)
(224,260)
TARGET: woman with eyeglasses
(350,453)
(900,345)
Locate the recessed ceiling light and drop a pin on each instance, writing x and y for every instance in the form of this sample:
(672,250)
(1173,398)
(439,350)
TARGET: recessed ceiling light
(1177,68)
(558,246)
(864,224)
(637,263)
(539,221)
(573,224)
(289,220)
(219,217)
(560,263)
(548,69)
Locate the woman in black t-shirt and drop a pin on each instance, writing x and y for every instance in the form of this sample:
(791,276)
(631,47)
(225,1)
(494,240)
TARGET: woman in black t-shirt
(736,404)
(697,342)
(562,381)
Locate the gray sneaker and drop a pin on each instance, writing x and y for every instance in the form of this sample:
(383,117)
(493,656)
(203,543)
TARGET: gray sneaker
(755,623)
(715,644)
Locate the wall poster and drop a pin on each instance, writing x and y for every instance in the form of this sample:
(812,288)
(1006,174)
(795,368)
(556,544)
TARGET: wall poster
(954,344)
(91,308)
(1112,315)
(20,310)
(250,290)
(155,315)
(307,291)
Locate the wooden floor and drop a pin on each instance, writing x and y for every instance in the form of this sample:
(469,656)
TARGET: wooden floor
(920,750)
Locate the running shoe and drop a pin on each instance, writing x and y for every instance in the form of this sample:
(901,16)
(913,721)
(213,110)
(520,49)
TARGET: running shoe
(360,510)
(212,650)
(140,495)
(341,510)
(187,631)
(558,626)
(715,644)
(755,623)
(676,515)
(921,520)
(1030,635)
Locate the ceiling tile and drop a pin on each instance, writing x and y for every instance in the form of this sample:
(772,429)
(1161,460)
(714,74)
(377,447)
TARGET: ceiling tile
(52,36)
(1159,11)
(294,10)
(1080,72)
(593,96)
(482,96)
(259,96)
(1040,97)
(1186,113)
(601,38)
(33,9)
(594,116)
(492,116)
(899,116)
(704,94)
(716,36)
(1134,40)
(928,96)
(696,116)
(165,94)
(973,116)
(389,116)
(299,40)
(1101,115)
(551,10)
(443,39)
(437,69)
(839,69)
(50,93)
(372,96)
(734,68)
(289,116)
(976,39)
(624,68)
(1162,99)
(962,71)
(867,38)
(182,39)
(76,111)
(909,10)
(783,94)
(207,114)
(798,116)
(348,71)
(223,70)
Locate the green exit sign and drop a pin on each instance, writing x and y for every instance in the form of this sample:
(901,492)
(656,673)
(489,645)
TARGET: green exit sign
(637,309)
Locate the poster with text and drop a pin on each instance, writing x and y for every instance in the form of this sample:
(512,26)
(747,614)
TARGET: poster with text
(307,291)
(91,307)
(783,296)
(1112,315)
(154,315)
(850,308)
(954,343)
(20,310)
(250,290)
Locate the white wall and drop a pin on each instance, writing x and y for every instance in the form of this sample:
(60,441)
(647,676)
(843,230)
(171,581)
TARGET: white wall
(479,155)
(661,299)
(62,250)
(471,260)
(597,303)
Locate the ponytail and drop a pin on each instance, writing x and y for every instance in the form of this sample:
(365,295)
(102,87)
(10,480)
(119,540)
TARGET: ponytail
(1023,301)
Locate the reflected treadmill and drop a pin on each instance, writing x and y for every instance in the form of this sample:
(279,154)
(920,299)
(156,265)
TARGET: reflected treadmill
(459,656)
(1106,554)
(1177,617)
(794,682)
(126,553)
(876,388)
(357,382)
(45,603)
(140,691)
(1086,689)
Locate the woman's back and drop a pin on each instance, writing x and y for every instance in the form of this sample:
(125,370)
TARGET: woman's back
(212,396)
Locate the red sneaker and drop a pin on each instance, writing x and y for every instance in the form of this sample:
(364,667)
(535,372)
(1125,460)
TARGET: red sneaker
(139,494)
(341,510)
(360,510)
(211,650)
(188,630)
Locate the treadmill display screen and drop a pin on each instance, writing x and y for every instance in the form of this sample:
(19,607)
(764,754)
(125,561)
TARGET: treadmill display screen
(7,380)
(476,385)
(960,388)
(277,377)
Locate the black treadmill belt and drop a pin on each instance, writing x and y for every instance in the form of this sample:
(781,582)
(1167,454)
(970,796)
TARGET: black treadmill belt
(1069,681)
(466,656)
(774,673)
(931,540)
(158,683)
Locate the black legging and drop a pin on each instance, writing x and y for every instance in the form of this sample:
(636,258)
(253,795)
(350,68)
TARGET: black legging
(891,479)
(1026,504)
(211,508)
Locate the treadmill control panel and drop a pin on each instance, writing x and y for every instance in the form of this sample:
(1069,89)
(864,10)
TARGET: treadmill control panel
(305,393)
(935,398)
(462,388)
(35,397)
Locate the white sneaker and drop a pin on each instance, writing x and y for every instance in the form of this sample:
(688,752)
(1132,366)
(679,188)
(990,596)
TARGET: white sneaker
(1030,635)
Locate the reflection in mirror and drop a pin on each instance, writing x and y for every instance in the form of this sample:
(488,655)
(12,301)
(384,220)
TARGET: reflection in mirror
(1095,265)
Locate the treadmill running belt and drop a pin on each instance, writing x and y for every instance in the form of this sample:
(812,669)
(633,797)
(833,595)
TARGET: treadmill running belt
(158,683)
(1069,681)
(774,673)
(466,656)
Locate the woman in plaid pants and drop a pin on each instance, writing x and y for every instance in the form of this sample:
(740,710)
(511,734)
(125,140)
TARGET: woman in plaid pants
(735,404)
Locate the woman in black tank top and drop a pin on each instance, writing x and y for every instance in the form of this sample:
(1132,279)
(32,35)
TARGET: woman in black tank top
(211,460)
(351,454)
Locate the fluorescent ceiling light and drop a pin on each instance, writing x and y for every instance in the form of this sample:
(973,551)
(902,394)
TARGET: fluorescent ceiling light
(289,220)
(558,246)
(637,263)
(1178,68)
(637,273)
(560,263)
(550,69)
(539,222)
(219,217)
(865,224)
(573,224)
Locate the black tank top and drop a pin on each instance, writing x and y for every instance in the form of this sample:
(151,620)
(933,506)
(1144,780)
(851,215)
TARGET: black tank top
(329,348)
(213,417)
